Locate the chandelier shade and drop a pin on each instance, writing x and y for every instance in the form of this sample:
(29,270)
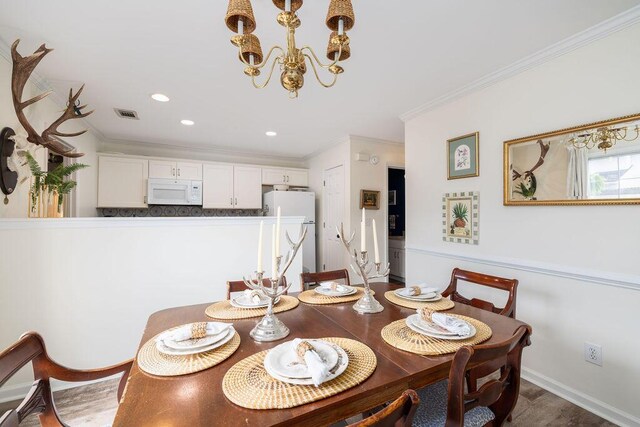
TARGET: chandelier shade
(240,10)
(251,46)
(295,4)
(340,9)
(334,47)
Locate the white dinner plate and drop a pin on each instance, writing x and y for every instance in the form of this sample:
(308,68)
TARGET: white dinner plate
(341,291)
(284,361)
(429,294)
(341,366)
(410,321)
(245,302)
(162,348)
(197,342)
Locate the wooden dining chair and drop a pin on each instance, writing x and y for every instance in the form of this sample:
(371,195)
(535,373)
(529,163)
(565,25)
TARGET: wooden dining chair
(508,285)
(307,279)
(30,348)
(398,413)
(239,286)
(509,310)
(447,404)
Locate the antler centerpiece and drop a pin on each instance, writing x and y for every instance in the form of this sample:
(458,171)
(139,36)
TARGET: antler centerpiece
(22,69)
(362,267)
(270,328)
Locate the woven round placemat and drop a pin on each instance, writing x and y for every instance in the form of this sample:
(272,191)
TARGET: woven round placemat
(223,310)
(151,361)
(441,305)
(312,297)
(248,384)
(399,335)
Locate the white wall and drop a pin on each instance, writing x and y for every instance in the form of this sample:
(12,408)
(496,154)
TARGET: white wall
(40,115)
(92,300)
(563,256)
(358,175)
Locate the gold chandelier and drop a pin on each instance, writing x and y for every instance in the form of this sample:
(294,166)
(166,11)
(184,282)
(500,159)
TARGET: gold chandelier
(292,61)
(604,138)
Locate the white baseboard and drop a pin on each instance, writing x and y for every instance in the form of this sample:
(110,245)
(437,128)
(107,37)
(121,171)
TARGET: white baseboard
(584,401)
(19,391)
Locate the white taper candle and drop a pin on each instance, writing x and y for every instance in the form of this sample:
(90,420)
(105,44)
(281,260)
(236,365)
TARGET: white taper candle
(260,247)
(278,233)
(274,258)
(340,26)
(376,250)
(363,232)
(287,5)
(240,26)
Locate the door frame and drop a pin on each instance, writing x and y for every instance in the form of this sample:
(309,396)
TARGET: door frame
(392,165)
(321,263)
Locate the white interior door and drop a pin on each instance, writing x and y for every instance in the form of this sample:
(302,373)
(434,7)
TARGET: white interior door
(333,202)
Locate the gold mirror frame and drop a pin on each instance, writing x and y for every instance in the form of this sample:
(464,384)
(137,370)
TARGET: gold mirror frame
(507,175)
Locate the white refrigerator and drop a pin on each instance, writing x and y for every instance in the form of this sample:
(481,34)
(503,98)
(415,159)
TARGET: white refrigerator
(297,203)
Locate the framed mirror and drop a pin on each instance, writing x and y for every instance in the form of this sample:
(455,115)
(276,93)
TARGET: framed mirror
(593,164)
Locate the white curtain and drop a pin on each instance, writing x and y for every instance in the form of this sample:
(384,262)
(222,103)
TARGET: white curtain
(578,173)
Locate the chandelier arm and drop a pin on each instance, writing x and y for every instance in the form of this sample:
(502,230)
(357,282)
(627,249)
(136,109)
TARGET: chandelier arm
(264,61)
(335,61)
(273,66)
(315,71)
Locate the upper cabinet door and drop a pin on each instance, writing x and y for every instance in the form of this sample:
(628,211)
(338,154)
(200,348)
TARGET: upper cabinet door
(297,178)
(247,185)
(162,169)
(217,187)
(122,182)
(189,170)
(273,176)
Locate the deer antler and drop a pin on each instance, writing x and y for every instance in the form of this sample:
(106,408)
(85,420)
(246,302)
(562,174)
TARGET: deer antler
(22,69)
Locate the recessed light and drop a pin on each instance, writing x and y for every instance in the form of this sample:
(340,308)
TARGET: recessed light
(160,97)
(187,122)
(271,133)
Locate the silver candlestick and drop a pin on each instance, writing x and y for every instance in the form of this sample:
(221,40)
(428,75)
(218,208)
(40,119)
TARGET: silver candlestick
(368,303)
(270,328)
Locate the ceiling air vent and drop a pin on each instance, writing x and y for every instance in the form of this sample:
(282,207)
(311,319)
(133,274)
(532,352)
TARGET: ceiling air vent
(126,114)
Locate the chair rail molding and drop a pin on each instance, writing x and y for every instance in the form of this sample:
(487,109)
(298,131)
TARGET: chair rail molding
(608,278)
(590,35)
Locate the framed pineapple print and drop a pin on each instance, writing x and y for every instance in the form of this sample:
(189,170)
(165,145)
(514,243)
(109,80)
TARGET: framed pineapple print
(460,217)
(463,156)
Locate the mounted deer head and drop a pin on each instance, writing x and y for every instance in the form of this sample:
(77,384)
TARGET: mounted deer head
(22,69)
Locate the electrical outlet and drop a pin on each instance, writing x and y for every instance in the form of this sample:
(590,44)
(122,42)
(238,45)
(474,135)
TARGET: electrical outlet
(593,353)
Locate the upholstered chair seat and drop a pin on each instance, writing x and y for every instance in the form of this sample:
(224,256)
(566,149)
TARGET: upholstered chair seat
(433,409)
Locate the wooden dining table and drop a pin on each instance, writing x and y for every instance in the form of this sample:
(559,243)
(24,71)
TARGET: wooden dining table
(197,399)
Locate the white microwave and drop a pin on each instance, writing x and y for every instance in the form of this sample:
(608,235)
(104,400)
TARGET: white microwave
(174,192)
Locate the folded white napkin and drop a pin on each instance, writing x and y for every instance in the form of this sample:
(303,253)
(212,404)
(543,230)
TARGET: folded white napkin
(317,368)
(336,286)
(451,324)
(255,296)
(424,289)
(183,333)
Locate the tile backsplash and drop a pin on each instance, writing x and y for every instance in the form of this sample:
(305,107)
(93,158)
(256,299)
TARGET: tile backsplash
(180,211)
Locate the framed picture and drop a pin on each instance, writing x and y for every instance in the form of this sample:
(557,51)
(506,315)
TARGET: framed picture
(392,198)
(369,199)
(463,156)
(460,217)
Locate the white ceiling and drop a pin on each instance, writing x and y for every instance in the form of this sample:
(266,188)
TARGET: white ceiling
(404,54)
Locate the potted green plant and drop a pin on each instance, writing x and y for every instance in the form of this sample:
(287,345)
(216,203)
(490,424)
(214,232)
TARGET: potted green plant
(51,183)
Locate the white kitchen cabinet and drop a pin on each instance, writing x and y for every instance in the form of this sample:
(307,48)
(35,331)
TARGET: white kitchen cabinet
(231,187)
(282,176)
(122,182)
(397,258)
(247,187)
(217,186)
(168,169)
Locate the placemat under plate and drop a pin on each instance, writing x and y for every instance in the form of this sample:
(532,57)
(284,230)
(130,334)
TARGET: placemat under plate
(223,310)
(312,297)
(399,335)
(154,362)
(440,305)
(248,384)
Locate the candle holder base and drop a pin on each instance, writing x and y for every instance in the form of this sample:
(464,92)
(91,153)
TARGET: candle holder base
(270,328)
(367,305)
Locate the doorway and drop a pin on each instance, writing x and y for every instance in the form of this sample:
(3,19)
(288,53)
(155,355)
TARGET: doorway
(333,215)
(396,222)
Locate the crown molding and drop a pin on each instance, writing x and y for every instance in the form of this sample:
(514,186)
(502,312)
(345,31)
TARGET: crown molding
(347,139)
(375,140)
(583,38)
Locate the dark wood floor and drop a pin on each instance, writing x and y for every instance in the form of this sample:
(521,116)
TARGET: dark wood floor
(95,405)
